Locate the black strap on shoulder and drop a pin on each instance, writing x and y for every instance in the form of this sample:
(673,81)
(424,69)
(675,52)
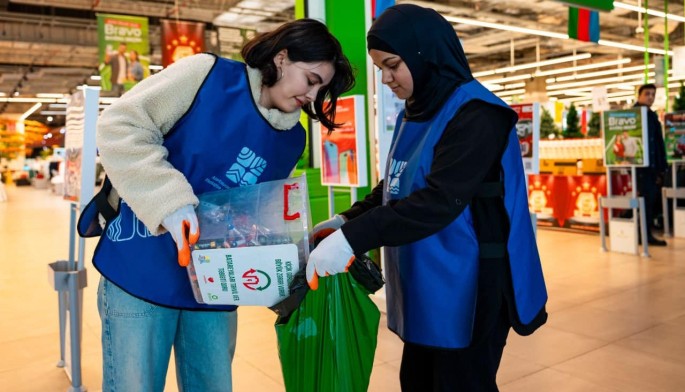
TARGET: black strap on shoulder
(105,209)
(490,190)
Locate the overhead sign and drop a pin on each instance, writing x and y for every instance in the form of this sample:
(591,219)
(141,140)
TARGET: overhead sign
(599,5)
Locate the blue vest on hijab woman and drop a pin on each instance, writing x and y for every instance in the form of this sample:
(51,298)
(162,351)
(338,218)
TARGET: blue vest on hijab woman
(432,283)
(221,142)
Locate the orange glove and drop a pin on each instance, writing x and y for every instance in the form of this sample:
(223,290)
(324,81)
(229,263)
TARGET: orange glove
(184,229)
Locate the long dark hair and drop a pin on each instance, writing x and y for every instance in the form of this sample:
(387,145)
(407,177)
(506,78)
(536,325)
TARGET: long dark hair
(309,41)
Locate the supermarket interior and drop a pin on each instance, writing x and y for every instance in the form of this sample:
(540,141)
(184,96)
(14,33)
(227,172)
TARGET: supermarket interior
(572,70)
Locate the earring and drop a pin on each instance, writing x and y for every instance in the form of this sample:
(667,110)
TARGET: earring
(281,75)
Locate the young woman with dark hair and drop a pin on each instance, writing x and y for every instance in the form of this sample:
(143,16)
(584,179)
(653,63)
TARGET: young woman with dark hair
(203,124)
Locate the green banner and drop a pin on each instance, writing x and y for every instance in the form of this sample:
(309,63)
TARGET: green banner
(124,52)
(599,5)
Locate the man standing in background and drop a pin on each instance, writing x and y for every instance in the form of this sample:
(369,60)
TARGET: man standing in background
(650,179)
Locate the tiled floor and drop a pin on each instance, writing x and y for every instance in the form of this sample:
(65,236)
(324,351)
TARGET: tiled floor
(617,322)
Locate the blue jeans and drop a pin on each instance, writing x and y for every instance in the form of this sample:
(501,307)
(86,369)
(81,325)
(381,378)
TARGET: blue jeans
(137,338)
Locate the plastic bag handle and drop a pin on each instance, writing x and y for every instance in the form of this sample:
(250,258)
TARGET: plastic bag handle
(286,203)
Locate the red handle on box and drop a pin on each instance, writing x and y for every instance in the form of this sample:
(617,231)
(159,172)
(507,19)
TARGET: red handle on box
(286,191)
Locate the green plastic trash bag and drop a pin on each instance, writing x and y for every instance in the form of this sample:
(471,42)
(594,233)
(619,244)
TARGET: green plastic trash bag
(328,343)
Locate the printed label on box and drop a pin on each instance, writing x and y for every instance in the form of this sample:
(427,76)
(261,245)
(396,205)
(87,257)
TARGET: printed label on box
(258,275)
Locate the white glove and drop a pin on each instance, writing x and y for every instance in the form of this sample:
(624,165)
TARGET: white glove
(326,228)
(332,256)
(183,227)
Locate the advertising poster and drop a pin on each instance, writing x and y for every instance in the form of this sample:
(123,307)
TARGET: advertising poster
(181,39)
(124,52)
(570,202)
(528,131)
(79,145)
(73,145)
(674,135)
(624,138)
(343,152)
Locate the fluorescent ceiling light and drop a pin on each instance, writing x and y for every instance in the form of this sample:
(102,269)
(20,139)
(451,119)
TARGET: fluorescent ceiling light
(560,86)
(95,77)
(53,113)
(534,65)
(511,92)
(48,95)
(508,79)
(561,70)
(29,100)
(29,112)
(637,48)
(618,4)
(598,73)
(542,33)
(155,67)
(499,26)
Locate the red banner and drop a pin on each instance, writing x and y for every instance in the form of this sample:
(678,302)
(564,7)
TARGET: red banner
(566,201)
(181,39)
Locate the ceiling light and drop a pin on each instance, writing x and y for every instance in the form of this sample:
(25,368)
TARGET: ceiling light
(155,67)
(511,92)
(95,77)
(637,48)
(543,33)
(50,118)
(598,73)
(53,113)
(582,67)
(561,86)
(534,65)
(49,95)
(618,4)
(29,112)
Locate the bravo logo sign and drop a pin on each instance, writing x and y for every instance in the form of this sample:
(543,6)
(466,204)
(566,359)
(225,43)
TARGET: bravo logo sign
(256,279)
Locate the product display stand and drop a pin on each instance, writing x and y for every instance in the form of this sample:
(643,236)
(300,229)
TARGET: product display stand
(675,193)
(68,278)
(624,232)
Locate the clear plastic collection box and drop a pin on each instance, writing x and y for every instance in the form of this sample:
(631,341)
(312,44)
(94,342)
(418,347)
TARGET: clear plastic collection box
(253,239)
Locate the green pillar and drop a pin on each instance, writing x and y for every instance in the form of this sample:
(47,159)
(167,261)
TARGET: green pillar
(666,67)
(646,35)
(347,21)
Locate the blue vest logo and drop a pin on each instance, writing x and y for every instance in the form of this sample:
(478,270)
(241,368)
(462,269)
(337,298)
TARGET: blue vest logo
(247,169)
(396,169)
(126,226)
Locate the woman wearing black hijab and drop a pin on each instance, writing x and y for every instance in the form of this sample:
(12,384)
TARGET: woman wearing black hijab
(462,265)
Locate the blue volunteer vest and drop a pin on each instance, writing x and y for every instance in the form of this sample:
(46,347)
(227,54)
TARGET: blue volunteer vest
(432,283)
(223,141)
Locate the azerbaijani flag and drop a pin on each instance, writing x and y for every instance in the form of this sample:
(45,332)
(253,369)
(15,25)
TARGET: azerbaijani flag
(583,24)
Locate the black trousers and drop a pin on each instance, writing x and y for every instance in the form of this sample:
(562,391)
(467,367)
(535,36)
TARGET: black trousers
(472,369)
(648,188)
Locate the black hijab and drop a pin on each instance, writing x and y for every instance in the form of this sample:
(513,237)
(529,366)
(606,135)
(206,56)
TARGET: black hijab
(429,46)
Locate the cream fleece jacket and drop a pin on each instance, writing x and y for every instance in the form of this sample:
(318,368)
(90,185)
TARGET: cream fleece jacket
(130,133)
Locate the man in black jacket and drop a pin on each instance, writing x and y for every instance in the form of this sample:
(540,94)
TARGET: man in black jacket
(650,178)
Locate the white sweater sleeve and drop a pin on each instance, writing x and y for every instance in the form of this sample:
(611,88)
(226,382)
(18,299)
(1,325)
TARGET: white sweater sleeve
(130,134)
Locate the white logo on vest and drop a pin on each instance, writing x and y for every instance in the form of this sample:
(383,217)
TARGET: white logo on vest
(247,169)
(117,233)
(396,169)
